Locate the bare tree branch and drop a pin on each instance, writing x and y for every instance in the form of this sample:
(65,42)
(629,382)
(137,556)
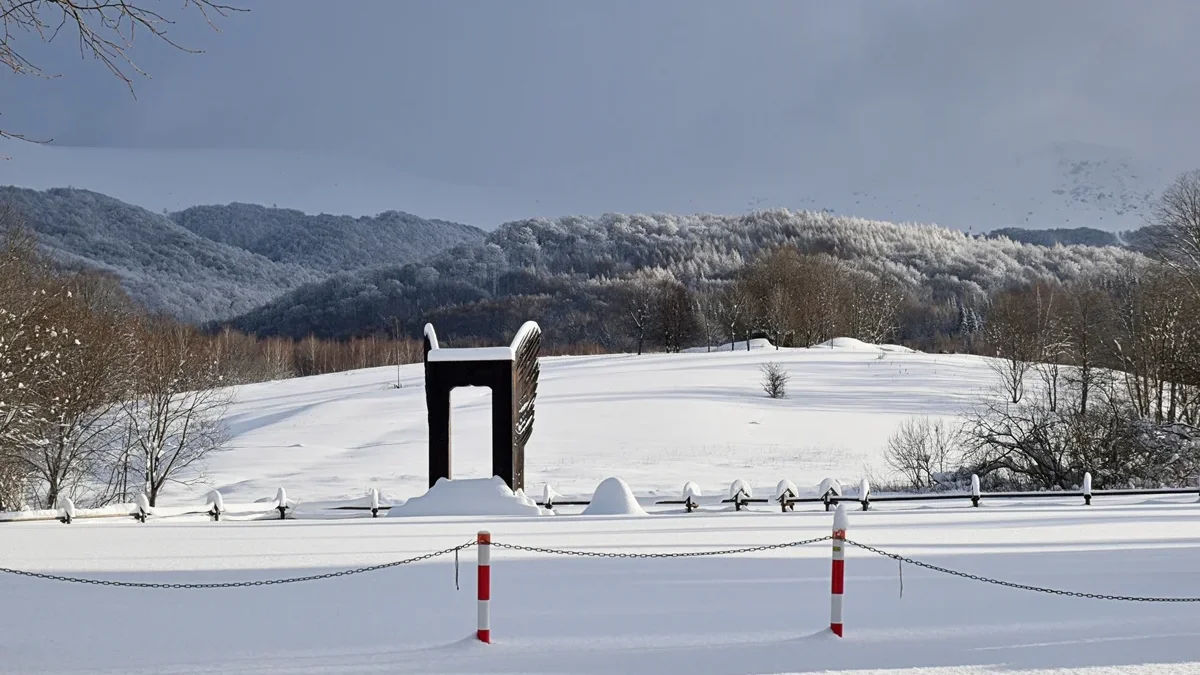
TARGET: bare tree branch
(105,30)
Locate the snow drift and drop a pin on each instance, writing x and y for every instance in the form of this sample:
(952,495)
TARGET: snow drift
(469,497)
(613,498)
(852,344)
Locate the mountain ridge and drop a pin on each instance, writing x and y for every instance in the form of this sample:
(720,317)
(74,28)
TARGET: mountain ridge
(169,268)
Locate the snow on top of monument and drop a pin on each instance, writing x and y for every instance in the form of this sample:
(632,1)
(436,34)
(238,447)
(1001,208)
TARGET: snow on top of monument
(472,354)
(523,332)
(469,497)
(431,335)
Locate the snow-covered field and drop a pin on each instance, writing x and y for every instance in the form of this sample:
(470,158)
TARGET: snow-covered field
(655,421)
(752,613)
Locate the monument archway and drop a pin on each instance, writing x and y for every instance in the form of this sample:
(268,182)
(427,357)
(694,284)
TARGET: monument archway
(510,372)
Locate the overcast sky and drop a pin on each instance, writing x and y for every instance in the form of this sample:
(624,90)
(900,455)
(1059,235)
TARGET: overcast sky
(634,96)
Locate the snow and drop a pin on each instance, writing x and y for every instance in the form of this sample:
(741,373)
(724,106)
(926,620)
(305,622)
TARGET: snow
(469,497)
(549,496)
(472,354)
(431,335)
(691,491)
(740,487)
(653,420)
(864,489)
(755,345)
(841,521)
(785,487)
(66,508)
(829,485)
(216,500)
(762,613)
(852,344)
(613,498)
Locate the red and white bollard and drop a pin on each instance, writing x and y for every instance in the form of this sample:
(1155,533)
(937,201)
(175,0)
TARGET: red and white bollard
(840,523)
(483,544)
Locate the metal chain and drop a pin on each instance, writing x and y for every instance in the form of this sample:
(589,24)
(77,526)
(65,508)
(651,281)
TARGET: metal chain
(690,554)
(238,584)
(1010,584)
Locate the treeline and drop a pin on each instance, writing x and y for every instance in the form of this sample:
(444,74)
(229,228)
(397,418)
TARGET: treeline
(570,274)
(1099,375)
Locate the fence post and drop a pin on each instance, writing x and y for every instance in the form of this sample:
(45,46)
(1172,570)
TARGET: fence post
(66,510)
(374,502)
(840,523)
(484,548)
(141,508)
(1087,489)
(281,502)
(864,494)
(975,490)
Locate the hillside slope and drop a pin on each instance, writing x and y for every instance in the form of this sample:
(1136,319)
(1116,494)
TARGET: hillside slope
(222,260)
(163,266)
(324,242)
(557,271)
(654,420)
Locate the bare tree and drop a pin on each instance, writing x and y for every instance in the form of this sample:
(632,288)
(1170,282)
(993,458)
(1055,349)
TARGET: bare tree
(104,30)
(774,380)
(639,300)
(733,311)
(1087,330)
(1175,227)
(675,315)
(708,312)
(174,415)
(1011,343)
(925,451)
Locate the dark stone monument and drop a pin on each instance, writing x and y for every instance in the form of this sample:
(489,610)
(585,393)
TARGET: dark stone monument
(511,373)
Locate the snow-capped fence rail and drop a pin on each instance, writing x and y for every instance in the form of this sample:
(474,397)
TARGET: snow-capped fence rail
(976,496)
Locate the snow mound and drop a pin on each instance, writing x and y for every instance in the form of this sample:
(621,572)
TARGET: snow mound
(740,346)
(469,497)
(853,345)
(613,498)
(691,490)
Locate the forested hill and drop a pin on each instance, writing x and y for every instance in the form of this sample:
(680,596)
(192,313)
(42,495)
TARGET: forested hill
(1082,236)
(227,260)
(325,242)
(570,273)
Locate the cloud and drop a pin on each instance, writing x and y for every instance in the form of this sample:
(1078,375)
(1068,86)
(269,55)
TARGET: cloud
(686,94)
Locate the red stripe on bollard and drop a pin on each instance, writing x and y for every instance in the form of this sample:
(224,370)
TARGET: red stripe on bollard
(839,577)
(485,583)
(483,544)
